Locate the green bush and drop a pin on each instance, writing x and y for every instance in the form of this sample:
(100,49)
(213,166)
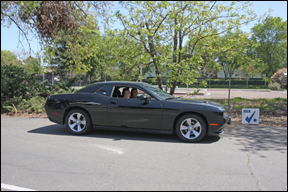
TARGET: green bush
(275,86)
(15,83)
(21,91)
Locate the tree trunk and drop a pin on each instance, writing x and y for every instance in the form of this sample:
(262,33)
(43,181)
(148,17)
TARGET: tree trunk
(172,90)
(159,80)
(175,44)
(173,87)
(247,79)
(152,52)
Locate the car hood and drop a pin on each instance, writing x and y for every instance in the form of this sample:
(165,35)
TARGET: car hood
(196,102)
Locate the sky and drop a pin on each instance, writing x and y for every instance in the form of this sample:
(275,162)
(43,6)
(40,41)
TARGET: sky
(10,36)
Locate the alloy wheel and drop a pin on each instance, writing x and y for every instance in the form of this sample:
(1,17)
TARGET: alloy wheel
(190,128)
(77,122)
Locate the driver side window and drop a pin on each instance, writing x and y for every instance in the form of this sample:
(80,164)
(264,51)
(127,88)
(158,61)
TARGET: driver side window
(134,93)
(140,92)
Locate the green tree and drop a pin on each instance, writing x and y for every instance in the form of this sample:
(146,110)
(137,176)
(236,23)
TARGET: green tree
(156,24)
(235,51)
(86,52)
(8,57)
(236,54)
(73,54)
(271,35)
(125,54)
(145,24)
(33,65)
(200,22)
(207,52)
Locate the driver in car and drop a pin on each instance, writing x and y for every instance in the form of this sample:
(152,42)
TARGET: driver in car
(126,93)
(134,93)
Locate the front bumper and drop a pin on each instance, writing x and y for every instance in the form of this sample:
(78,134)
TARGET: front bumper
(227,118)
(220,129)
(229,121)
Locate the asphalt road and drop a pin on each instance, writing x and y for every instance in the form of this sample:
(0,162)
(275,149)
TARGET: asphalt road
(40,155)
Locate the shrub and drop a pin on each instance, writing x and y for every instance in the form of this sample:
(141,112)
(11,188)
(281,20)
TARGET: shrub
(274,86)
(15,84)
(21,91)
(279,78)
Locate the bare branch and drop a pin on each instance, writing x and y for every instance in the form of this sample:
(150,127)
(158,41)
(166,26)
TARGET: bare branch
(22,32)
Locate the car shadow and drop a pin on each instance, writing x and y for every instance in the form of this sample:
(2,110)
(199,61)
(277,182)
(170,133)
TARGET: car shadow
(120,135)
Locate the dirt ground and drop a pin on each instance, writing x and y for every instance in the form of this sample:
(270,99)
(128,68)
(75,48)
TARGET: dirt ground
(273,118)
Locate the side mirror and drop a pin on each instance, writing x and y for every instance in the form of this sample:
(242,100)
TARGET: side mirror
(144,97)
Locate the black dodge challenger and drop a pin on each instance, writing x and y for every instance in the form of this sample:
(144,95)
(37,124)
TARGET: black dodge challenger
(103,106)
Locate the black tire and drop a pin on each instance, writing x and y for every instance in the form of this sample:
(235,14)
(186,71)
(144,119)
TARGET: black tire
(191,128)
(78,122)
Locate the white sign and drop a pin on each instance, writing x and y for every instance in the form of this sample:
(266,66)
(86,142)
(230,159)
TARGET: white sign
(250,116)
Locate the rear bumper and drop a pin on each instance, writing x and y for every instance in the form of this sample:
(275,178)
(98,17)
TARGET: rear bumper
(55,120)
(54,115)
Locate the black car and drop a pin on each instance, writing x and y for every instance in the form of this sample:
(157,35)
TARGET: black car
(102,106)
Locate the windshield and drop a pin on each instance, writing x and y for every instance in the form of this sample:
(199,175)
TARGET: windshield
(158,92)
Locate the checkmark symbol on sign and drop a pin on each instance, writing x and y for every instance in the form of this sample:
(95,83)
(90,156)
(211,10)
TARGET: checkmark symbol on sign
(248,119)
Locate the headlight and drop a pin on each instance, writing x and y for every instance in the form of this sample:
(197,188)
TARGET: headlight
(219,113)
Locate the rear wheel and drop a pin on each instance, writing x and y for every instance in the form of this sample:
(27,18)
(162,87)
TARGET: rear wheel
(78,122)
(191,128)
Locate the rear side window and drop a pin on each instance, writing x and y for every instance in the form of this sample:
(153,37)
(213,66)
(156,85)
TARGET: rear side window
(106,90)
(90,88)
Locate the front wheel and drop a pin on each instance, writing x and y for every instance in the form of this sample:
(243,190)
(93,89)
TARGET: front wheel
(191,128)
(78,122)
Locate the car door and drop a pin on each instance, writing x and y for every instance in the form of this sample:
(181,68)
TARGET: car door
(97,105)
(134,113)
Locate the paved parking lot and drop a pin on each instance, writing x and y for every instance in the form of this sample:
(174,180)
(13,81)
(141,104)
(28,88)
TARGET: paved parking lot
(37,154)
(40,155)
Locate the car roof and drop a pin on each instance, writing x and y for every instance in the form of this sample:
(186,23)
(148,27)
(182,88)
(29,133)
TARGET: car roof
(120,82)
(95,86)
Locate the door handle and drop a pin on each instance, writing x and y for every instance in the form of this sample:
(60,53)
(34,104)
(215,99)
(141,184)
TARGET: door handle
(113,102)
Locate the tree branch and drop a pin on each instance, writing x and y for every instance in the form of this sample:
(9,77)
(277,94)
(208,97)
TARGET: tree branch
(160,23)
(22,32)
